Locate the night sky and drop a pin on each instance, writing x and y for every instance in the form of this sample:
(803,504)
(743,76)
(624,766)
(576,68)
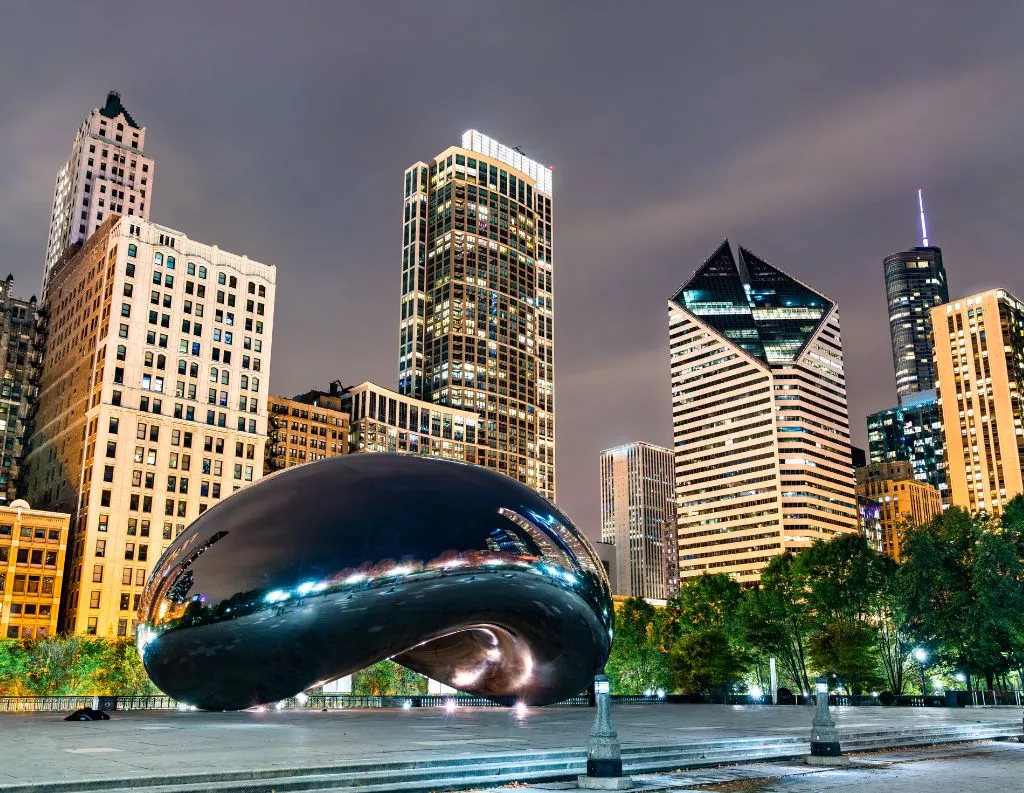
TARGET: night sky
(800,130)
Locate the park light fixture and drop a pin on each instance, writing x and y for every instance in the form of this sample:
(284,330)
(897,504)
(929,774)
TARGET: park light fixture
(920,655)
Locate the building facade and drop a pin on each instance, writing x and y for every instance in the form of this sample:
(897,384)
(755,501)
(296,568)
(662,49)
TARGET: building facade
(760,418)
(152,403)
(308,427)
(32,547)
(912,431)
(903,501)
(19,365)
(869,513)
(382,420)
(105,174)
(915,282)
(979,355)
(477,321)
(637,500)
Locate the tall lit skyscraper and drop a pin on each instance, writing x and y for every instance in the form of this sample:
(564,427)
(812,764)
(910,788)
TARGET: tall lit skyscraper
(637,499)
(152,403)
(915,282)
(477,322)
(105,174)
(979,356)
(761,427)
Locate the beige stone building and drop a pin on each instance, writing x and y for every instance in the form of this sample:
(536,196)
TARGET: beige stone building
(979,357)
(383,420)
(904,502)
(152,403)
(306,428)
(32,547)
(477,307)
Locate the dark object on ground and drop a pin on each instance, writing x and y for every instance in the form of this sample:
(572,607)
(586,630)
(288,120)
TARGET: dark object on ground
(887,698)
(87,714)
(785,697)
(455,571)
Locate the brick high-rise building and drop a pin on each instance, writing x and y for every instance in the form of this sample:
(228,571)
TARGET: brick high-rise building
(106,173)
(477,312)
(903,502)
(305,428)
(152,403)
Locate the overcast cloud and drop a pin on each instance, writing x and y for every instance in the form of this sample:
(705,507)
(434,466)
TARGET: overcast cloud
(798,129)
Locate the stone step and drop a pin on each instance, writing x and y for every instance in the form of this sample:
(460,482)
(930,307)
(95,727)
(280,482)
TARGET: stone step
(455,773)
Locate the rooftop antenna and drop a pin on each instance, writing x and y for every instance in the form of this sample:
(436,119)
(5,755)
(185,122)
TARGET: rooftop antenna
(924,228)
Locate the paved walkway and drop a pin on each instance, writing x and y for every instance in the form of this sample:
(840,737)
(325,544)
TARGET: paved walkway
(985,767)
(43,747)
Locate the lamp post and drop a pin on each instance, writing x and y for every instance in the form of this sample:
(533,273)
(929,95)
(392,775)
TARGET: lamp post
(921,656)
(825,749)
(604,753)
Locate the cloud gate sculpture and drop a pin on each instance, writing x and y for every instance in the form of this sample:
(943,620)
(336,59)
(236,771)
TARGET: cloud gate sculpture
(454,571)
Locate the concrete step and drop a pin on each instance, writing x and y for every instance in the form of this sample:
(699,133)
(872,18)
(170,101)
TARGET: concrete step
(494,770)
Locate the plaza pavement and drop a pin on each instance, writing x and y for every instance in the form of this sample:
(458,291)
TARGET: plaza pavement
(36,748)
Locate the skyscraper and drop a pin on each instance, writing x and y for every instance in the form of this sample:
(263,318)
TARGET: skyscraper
(915,282)
(105,174)
(477,322)
(19,367)
(637,499)
(979,356)
(911,431)
(761,427)
(152,403)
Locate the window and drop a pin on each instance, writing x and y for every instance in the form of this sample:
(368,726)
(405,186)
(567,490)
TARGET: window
(111,448)
(97,574)
(101,548)
(129,551)
(112,426)
(94,603)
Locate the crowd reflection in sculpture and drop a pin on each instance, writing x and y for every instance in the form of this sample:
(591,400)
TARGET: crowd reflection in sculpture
(454,571)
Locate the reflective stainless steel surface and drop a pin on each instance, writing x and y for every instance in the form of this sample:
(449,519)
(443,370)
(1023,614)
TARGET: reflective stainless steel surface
(453,570)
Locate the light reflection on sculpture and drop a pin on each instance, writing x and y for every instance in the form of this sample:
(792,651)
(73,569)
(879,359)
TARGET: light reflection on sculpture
(455,571)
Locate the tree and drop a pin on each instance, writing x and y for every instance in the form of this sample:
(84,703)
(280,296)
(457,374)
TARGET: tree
(388,679)
(775,621)
(962,584)
(704,662)
(704,603)
(840,577)
(637,664)
(14,666)
(846,649)
(123,673)
(66,665)
(892,630)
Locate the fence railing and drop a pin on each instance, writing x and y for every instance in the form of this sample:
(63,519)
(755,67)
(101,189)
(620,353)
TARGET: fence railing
(354,701)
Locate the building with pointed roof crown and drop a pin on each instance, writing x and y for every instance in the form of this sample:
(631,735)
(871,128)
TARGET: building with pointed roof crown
(760,419)
(105,174)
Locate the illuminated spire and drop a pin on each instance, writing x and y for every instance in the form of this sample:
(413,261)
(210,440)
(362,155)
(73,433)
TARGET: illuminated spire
(924,228)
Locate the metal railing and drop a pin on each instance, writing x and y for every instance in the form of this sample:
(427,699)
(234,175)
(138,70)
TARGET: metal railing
(355,701)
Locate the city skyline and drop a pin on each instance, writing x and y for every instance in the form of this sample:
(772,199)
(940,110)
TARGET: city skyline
(218,145)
